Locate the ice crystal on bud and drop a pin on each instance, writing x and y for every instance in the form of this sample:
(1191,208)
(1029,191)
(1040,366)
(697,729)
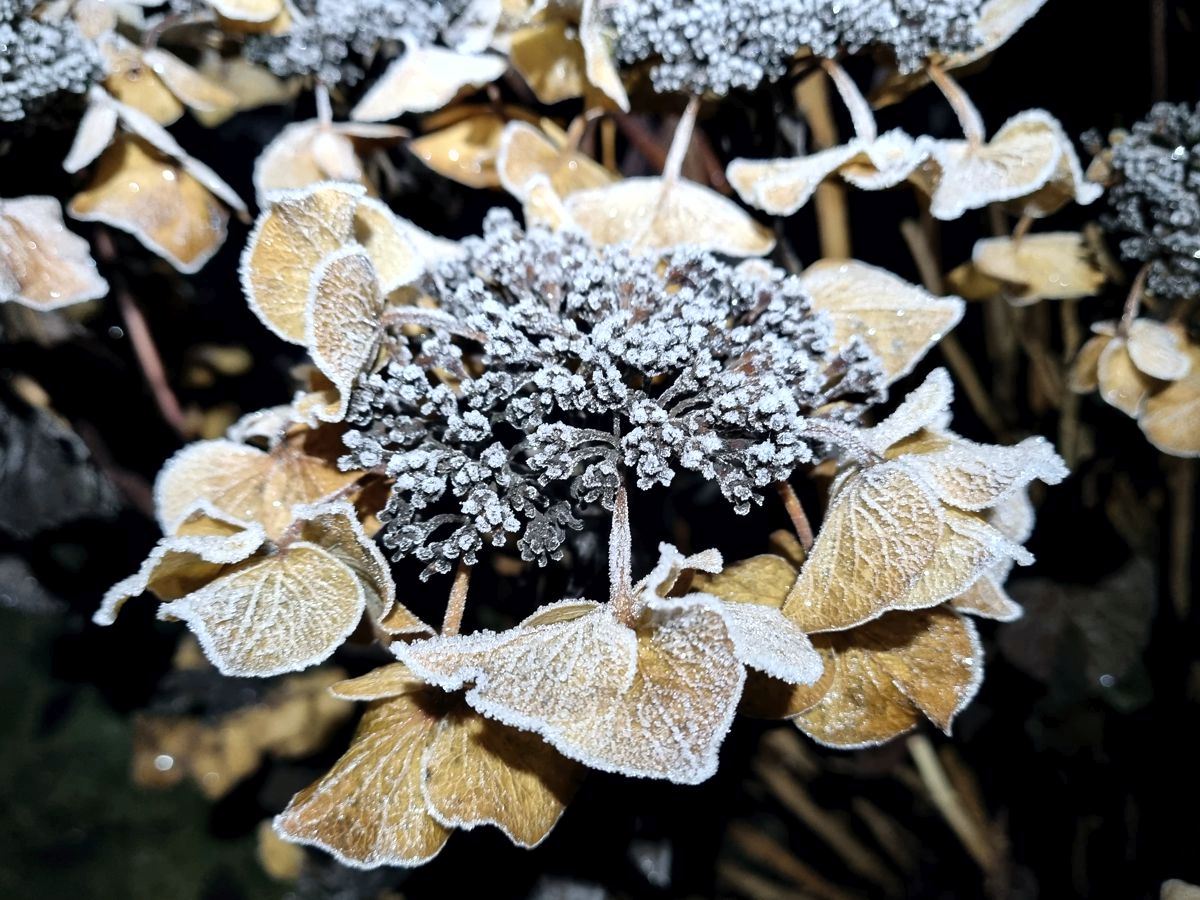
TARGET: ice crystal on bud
(331,38)
(1155,202)
(39,58)
(568,364)
(715,46)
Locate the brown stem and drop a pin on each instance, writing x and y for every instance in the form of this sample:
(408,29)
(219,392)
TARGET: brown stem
(795,510)
(457,603)
(620,564)
(1022,228)
(1158,48)
(856,104)
(1133,303)
(964,109)
(833,217)
(950,805)
(643,141)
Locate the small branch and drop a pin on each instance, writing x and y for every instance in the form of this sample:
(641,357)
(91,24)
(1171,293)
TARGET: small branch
(1072,335)
(833,217)
(950,805)
(324,107)
(1022,228)
(1158,49)
(964,109)
(1133,303)
(457,603)
(857,105)
(620,564)
(643,141)
(1182,481)
(680,143)
(795,510)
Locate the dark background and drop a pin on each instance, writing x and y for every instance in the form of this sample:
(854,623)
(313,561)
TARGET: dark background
(1092,788)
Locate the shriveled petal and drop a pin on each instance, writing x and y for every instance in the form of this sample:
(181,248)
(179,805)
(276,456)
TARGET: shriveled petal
(424,79)
(684,214)
(765,640)
(891,671)
(187,84)
(987,599)
(1067,184)
(879,535)
(1158,350)
(782,187)
(290,238)
(526,153)
(898,320)
(290,161)
(279,613)
(1084,376)
(133,82)
(889,159)
(42,264)
(464,151)
(1171,419)
(96,131)
(369,810)
(926,408)
(1122,384)
(157,201)
(480,772)
(550,60)
(398,249)
(597,53)
(1051,266)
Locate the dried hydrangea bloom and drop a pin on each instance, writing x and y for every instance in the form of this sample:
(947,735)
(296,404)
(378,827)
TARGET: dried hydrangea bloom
(422,764)
(1055,265)
(44,56)
(553,365)
(1127,362)
(329,39)
(1155,200)
(715,47)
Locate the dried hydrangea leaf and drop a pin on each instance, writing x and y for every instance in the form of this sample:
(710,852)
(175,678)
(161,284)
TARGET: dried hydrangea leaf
(891,671)
(187,84)
(253,86)
(157,201)
(465,151)
(660,699)
(1020,159)
(886,161)
(244,482)
(549,57)
(206,542)
(663,215)
(1067,184)
(290,238)
(1171,418)
(1051,266)
(898,320)
(279,613)
(42,264)
(1122,384)
(133,82)
(424,79)
(1158,350)
(481,772)
(880,533)
(306,153)
(527,152)
(369,810)
(96,131)
(342,323)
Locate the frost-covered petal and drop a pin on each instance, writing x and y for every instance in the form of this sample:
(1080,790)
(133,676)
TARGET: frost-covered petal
(1158,350)
(782,187)
(464,151)
(526,153)
(424,79)
(1052,266)
(1171,418)
(42,264)
(1122,384)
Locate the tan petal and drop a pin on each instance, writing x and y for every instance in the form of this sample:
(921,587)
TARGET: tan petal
(156,201)
(550,59)
(1067,185)
(42,264)
(342,322)
(1019,160)
(597,52)
(543,207)
(766,580)
(782,187)
(196,91)
(480,772)
(425,79)
(986,598)
(244,482)
(1050,266)
(248,10)
(279,613)
(898,320)
(133,81)
(686,214)
(369,810)
(290,238)
(1085,370)
(526,153)
(397,247)
(658,700)
(303,154)
(1121,383)
(765,697)
(892,670)
(96,131)
(1158,350)
(886,161)
(1171,419)
(925,409)
(251,85)
(879,535)
(465,151)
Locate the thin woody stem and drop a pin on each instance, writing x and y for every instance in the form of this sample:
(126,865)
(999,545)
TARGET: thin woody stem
(457,603)
(1133,303)
(964,109)
(856,104)
(681,141)
(799,517)
(324,107)
(620,564)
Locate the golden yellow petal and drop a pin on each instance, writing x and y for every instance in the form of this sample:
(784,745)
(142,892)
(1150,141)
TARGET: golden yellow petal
(156,201)
(986,598)
(396,247)
(1158,350)
(388,681)
(42,264)
(425,79)
(899,321)
(890,671)
(187,84)
(765,580)
(765,697)
(550,58)
(369,809)
(1171,418)
(1084,376)
(661,215)
(291,160)
(465,151)
(597,52)
(134,82)
(879,535)
(526,152)
(1122,384)
(279,613)
(299,230)
(480,772)
(248,10)
(244,482)
(252,85)
(1049,266)
(969,548)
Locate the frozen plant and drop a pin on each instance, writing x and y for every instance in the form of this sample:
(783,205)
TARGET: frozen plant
(562,364)
(40,58)
(715,46)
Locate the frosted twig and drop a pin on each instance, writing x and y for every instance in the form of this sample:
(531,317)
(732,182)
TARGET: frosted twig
(964,109)
(1133,302)
(796,512)
(833,218)
(856,103)
(620,563)
(457,603)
